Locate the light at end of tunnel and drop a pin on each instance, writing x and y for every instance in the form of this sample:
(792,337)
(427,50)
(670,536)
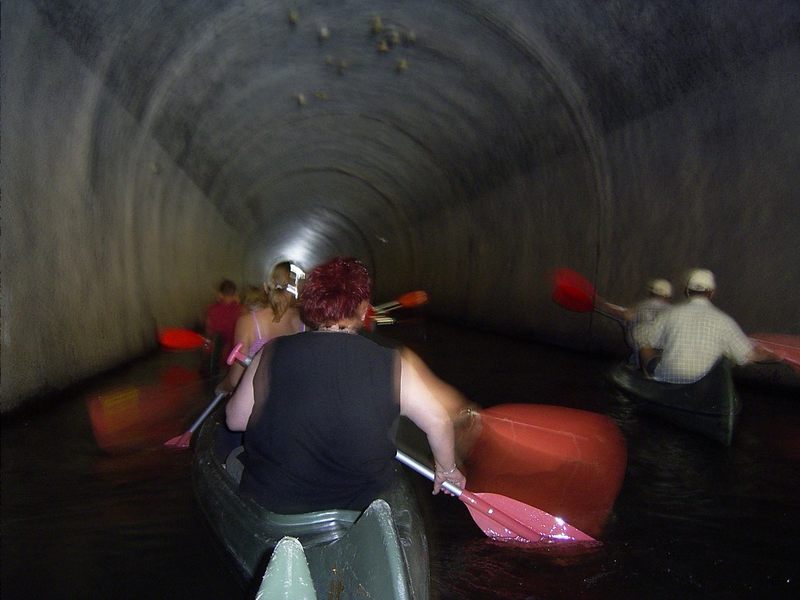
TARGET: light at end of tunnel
(298,253)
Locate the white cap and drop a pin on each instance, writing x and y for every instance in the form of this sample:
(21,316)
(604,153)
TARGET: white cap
(701,280)
(660,287)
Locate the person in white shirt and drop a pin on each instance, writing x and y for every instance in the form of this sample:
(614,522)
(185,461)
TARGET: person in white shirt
(634,320)
(694,335)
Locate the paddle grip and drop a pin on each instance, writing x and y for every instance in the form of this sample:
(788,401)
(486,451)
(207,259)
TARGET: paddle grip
(237,355)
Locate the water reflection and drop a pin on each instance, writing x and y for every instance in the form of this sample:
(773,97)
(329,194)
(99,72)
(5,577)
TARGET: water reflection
(136,416)
(101,512)
(495,570)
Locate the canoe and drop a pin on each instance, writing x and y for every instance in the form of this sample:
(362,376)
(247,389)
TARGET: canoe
(349,565)
(708,406)
(382,553)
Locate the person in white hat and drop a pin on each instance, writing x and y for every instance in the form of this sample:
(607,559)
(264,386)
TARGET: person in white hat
(693,336)
(634,320)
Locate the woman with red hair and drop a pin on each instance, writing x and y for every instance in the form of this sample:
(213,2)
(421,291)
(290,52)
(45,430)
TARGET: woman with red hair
(319,408)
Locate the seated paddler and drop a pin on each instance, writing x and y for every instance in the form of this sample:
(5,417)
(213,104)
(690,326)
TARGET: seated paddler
(319,408)
(694,335)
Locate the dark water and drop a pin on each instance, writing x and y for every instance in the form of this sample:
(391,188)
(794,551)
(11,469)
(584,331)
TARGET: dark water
(94,507)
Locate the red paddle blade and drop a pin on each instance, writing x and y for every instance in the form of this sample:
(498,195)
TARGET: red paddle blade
(564,461)
(503,518)
(407,300)
(787,347)
(411,299)
(573,291)
(181,441)
(180,339)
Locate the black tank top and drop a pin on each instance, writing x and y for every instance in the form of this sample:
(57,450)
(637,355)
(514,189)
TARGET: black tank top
(322,435)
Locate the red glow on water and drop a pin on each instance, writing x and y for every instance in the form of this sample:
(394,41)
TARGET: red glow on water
(136,416)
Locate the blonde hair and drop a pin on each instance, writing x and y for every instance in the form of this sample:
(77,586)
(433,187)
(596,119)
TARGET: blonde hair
(255,298)
(278,297)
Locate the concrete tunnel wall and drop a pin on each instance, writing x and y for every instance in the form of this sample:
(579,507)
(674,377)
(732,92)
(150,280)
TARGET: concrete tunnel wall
(466,148)
(103,238)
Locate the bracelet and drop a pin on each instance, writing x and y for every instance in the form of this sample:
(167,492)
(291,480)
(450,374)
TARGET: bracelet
(450,472)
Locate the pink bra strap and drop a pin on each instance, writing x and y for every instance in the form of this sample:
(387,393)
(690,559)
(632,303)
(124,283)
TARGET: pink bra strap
(255,321)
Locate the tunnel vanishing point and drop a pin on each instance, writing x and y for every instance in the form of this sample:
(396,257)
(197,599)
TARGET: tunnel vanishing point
(467,148)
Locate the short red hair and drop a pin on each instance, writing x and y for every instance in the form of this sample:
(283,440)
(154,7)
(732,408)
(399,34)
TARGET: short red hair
(334,290)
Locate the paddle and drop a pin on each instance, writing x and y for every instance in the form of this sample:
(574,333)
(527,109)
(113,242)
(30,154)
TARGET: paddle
(504,518)
(185,439)
(236,355)
(407,300)
(574,292)
(371,319)
(181,339)
(565,461)
(786,347)
(376,315)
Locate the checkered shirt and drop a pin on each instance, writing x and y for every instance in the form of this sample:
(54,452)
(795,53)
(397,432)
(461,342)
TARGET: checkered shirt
(644,313)
(693,336)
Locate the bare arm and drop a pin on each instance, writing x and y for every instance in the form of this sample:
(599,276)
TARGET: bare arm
(240,405)
(615,311)
(243,333)
(424,398)
(232,377)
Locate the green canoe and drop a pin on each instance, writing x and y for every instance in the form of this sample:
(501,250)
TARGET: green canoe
(382,553)
(708,406)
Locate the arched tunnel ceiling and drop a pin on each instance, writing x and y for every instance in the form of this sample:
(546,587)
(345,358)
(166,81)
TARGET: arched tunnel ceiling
(363,117)
(466,147)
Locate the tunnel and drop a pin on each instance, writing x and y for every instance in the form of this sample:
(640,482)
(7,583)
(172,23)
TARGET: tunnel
(463,147)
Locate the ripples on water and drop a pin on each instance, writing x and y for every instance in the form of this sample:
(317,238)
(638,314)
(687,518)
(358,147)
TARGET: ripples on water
(88,515)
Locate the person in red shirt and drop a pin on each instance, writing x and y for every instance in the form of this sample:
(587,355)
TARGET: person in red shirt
(221,319)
